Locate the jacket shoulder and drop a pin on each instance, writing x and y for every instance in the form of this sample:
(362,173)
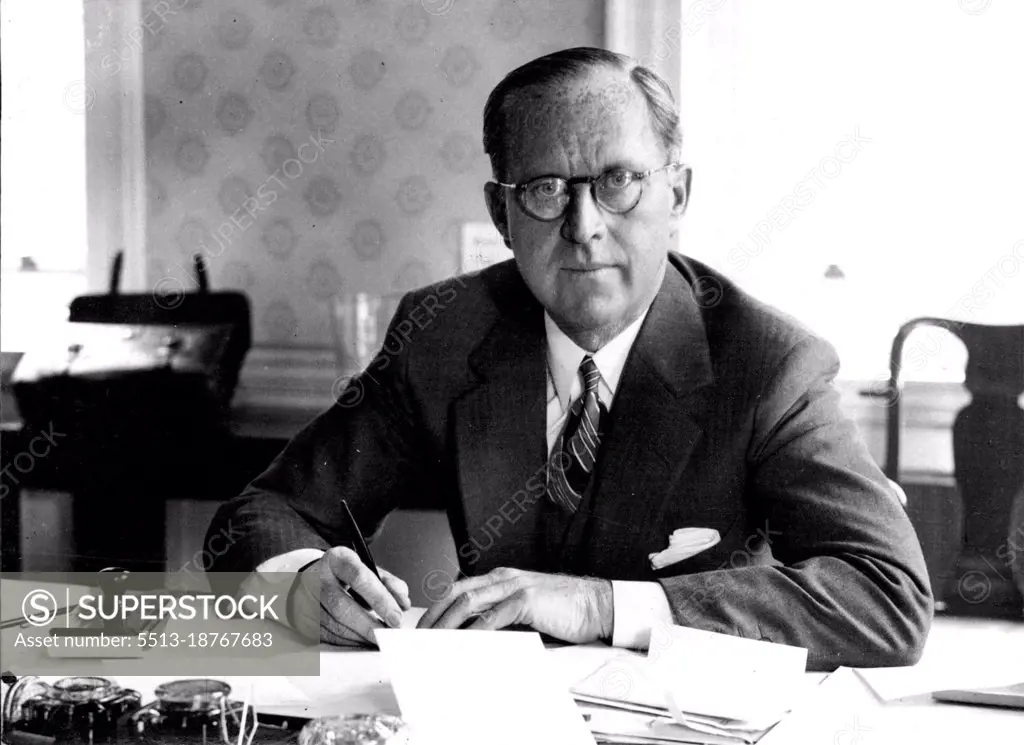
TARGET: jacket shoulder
(468,304)
(437,327)
(740,326)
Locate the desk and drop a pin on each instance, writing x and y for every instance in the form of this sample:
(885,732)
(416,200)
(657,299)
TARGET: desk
(844,711)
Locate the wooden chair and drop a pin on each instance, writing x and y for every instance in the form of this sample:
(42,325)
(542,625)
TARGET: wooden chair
(988,461)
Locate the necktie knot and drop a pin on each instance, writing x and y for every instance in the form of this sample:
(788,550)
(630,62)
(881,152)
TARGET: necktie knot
(590,374)
(572,464)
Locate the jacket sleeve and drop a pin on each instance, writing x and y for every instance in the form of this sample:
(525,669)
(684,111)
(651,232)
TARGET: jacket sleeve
(851,584)
(364,449)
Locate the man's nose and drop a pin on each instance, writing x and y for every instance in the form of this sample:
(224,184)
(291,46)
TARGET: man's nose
(583,221)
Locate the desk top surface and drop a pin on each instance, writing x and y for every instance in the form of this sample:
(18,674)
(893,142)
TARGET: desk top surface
(850,707)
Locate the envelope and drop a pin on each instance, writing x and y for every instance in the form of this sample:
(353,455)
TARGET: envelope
(684,543)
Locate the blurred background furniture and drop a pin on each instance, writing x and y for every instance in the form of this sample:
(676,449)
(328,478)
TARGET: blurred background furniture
(126,403)
(973,573)
(80,505)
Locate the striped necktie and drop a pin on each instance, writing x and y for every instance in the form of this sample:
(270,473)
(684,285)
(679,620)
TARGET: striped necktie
(572,459)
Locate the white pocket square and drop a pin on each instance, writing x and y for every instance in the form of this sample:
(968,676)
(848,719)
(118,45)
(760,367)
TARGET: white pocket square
(683,544)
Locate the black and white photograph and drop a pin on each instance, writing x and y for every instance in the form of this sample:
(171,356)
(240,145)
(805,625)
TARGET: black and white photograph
(520,372)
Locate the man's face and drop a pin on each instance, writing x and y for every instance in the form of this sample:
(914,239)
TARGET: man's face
(593,270)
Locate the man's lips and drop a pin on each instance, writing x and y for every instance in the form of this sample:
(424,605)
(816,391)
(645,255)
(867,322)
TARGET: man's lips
(588,269)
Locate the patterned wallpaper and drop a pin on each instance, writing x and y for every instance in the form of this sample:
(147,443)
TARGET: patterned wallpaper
(310,148)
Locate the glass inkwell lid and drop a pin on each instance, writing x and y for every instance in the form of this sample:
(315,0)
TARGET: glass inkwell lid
(75,690)
(194,694)
(194,710)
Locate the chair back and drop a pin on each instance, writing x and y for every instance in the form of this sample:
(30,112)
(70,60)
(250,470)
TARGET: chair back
(995,378)
(988,451)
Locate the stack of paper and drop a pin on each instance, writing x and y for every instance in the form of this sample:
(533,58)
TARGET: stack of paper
(610,725)
(694,687)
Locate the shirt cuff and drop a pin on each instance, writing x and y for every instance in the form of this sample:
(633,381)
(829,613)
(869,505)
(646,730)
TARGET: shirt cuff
(638,606)
(266,581)
(291,561)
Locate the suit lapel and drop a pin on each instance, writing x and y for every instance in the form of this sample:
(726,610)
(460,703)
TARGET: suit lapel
(653,427)
(500,427)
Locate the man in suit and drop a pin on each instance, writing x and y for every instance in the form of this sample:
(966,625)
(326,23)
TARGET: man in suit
(575,406)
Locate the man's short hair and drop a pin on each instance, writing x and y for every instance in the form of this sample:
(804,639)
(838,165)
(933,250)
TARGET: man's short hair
(568,65)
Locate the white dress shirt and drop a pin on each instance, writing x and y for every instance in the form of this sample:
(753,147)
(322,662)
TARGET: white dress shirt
(637,605)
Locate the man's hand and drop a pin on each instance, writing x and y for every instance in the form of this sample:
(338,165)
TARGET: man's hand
(574,609)
(336,618)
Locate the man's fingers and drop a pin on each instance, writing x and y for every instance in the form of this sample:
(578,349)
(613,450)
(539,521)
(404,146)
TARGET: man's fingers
(474,602)
(398,588)
(341,615)
(342,618)
(439,608)
(310,615)
(506,613)
(345,565)
(334,632)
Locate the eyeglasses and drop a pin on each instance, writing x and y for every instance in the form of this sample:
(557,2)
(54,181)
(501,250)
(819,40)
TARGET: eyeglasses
(619,190)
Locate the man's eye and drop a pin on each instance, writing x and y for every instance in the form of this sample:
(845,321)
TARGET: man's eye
(617,179)
(547,188)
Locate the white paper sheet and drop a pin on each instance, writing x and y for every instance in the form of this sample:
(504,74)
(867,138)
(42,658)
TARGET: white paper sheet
(412,617)
(719,675)
(353,681)
(467,687)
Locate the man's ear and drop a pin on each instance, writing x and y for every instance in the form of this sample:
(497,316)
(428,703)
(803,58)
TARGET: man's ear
(494,195)
(681,190)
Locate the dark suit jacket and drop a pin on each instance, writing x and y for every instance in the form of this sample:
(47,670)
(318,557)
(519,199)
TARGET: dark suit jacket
(725,418)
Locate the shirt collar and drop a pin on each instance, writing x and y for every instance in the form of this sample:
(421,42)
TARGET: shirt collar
(565,356)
